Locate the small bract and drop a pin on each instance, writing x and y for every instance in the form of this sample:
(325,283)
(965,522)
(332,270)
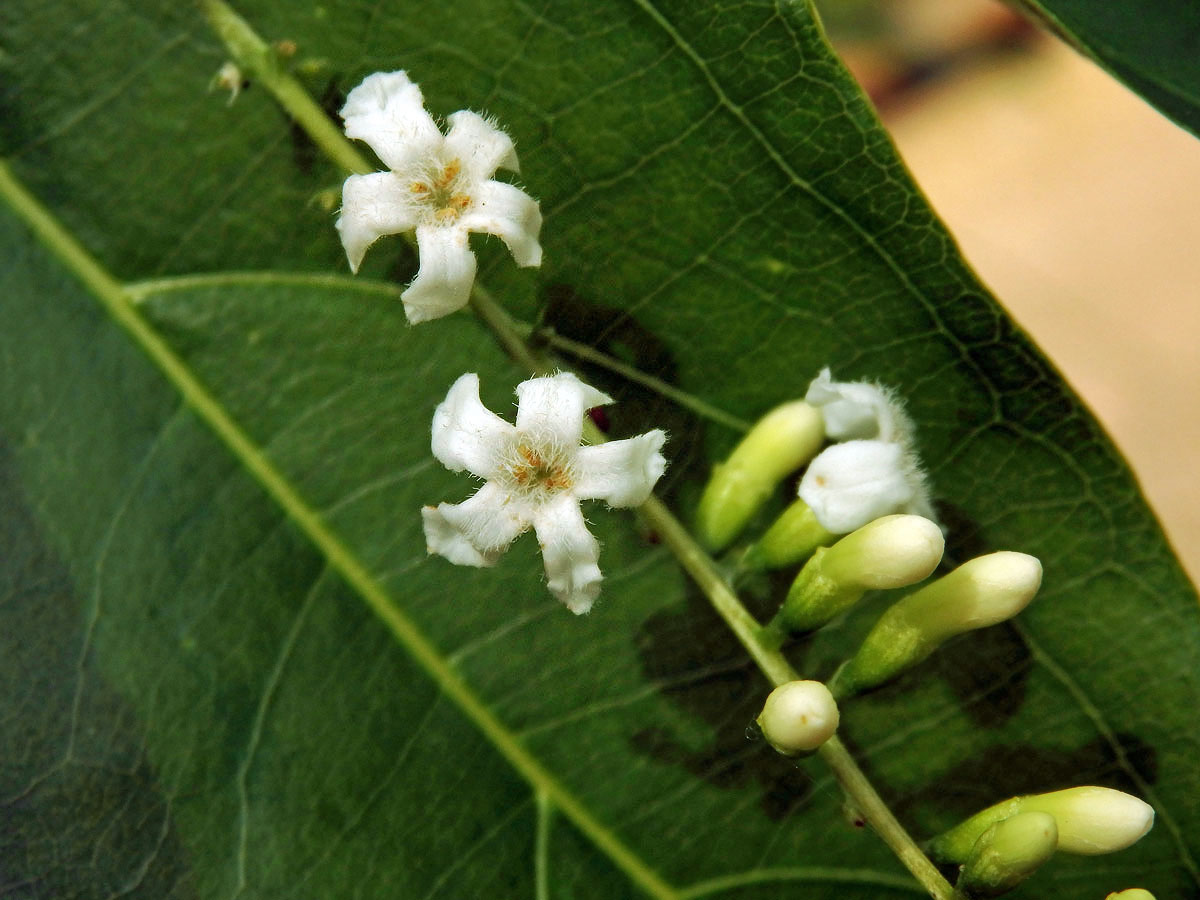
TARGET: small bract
(439,185)
(536,473)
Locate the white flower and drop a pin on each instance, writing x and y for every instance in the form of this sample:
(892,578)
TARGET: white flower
(858,410)
(856,482)
(439,185)
(875,471)
(536,473)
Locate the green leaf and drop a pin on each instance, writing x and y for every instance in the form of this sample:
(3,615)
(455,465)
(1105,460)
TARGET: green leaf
(1151,45)
(231,669)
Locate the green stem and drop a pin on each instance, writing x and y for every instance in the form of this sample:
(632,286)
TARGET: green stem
(250,51)
(588,353)
(261,62)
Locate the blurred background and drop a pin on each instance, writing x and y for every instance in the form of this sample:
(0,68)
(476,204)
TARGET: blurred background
(1075,201)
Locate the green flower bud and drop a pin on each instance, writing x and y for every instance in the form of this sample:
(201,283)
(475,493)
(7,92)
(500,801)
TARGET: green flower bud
(792,539)
(780,443)
(1091,820)
(799,717)
(891,552)
(1131,894)
(1007,853)
(979,593)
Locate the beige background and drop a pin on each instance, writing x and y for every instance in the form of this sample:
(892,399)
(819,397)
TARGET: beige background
(1080,206)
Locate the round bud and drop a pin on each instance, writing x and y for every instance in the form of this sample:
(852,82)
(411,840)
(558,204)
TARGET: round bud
(1131,894)
(799,717)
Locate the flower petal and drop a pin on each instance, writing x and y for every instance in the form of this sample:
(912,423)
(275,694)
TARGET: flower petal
(551,408)
(372,206)
(856,482)
(569,552)
(475,532)
(443,283)
(466,434)
(510,214)
(621,472)
(388,112)
(858,410)
(479,145)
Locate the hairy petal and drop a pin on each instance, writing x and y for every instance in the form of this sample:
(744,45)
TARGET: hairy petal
(570,553)
(858,410)
(466,434)
(475,532)
(443,282)
(552,407)
(372,206)
(510,214)
(479,145)
(623,473)
(388,112)
(856,482)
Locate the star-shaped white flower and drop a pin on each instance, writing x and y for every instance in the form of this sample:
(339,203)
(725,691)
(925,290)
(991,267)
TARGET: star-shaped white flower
(536,473)
(439,185)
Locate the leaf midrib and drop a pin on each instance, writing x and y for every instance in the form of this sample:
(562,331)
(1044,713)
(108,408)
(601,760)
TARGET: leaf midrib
(118,302)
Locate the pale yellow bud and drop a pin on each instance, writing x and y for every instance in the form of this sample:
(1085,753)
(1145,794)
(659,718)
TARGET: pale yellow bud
(799,717)
(1091,820)
(1131,894)
(891,552)
(979,593)
(779,443)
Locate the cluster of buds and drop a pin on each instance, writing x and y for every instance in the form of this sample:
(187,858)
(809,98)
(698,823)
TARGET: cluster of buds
(863,522)
(1004,844)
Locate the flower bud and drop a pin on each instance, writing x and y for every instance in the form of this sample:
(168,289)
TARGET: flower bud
(799,717)
(1131,894)
(979,593)
(792,539)
(1091,820)
(1007,853)
(780,443)
(891,552)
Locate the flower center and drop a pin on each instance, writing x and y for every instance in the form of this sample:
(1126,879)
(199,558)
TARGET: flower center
(537,469)
(440,189)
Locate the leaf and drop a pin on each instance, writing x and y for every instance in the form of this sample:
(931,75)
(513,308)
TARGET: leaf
(232,671)
(1150,45)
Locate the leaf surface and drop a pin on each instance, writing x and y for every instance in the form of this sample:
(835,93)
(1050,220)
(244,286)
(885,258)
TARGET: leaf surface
(1151,45)
(232,669)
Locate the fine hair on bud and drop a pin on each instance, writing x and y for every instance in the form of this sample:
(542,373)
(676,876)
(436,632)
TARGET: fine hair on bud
(799,717)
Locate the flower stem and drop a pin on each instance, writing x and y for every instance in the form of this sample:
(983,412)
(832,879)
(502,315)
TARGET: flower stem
(262,64)
(763,647)
(260,60)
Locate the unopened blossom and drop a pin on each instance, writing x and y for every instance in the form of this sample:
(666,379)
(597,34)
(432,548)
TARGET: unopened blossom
(536,473)
(440,186)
